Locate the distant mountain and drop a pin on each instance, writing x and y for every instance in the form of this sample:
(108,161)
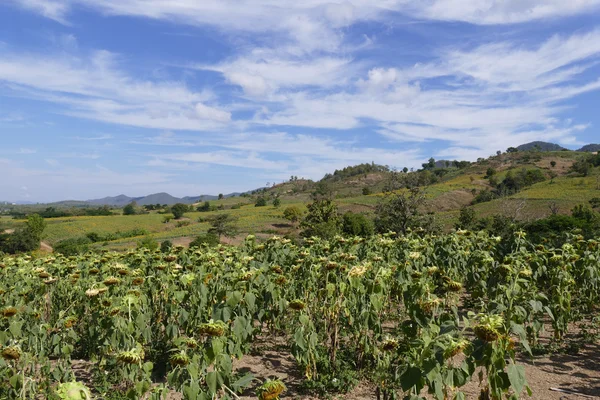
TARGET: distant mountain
(118,201)
(541,146)
(156,198)
(592,148)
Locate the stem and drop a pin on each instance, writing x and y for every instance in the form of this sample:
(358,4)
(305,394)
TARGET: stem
(231,392)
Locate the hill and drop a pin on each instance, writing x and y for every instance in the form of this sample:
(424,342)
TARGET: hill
(590,148)
(540,146)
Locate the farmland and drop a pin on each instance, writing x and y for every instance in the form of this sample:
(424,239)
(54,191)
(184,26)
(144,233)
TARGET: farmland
(418,316)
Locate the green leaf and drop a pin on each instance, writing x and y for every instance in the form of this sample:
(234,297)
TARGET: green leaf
(516,375)
(242,382)
(410,378)
(211,381)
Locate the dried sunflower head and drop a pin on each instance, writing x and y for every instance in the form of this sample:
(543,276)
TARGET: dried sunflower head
(212,328)
(297,305)
(9,311)
(11,353)
(271,390)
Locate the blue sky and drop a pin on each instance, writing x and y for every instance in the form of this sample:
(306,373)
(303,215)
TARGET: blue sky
(103,97)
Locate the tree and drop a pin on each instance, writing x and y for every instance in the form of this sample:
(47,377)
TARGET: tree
(277,202)
(499,153)
(595,202)
(260,202)
(179,210)
(322,219)
(399,212)
(357,225)
(210,239)
(129,209)
(204,207)
(553,164)
(292,214)
(512,150)
(466,219)
(405,170)
(222,225)
(220,196)
(366,191)
(490,172)
(36,225)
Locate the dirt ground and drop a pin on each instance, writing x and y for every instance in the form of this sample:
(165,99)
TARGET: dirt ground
(270,359)
(579,373)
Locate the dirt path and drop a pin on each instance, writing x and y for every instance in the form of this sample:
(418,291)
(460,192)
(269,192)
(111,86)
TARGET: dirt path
(45,247)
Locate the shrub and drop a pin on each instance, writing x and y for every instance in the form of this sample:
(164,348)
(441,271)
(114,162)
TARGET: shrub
(181,224)
(260,202)
(73,246)
(276,202)
(292,214)
(147,243)
(209,239)
(129,209)
(322,219)
(179,210)
(357,225)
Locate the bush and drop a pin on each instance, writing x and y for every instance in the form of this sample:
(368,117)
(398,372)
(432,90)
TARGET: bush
(181,224)
(129,209)
(366,191)
(276,202)
(260,202)
(179,210)
(322,220)
(73,246)
(357,225)
(292,214)
(466,219)
(21,241)
(167,219)
(147,243)
(209,239)
(484,196)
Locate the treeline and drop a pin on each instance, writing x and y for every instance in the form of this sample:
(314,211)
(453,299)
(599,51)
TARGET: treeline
(585,164)
(53,212)
(512,183)
(360,169)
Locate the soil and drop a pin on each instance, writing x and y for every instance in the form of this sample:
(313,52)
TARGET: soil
(270,359)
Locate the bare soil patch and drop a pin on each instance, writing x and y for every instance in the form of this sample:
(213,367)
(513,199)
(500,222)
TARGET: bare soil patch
(452,200)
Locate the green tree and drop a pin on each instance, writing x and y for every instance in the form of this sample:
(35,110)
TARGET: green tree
(260,202)
(512,150)
(276,202)
(553,164)
(357,225)
(204,207)
(36,226)
(221,196)
(179,210)
(401,211)
(366,191)
(466,219)
(322,219)
(292,214)
(209,239)
(129,209)
(222,225)
(147,243)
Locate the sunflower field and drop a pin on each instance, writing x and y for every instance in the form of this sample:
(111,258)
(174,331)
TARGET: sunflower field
(417,315)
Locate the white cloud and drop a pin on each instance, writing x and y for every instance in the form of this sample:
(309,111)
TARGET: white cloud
(211,113)
(95,88)
(307,21)
(489,12)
